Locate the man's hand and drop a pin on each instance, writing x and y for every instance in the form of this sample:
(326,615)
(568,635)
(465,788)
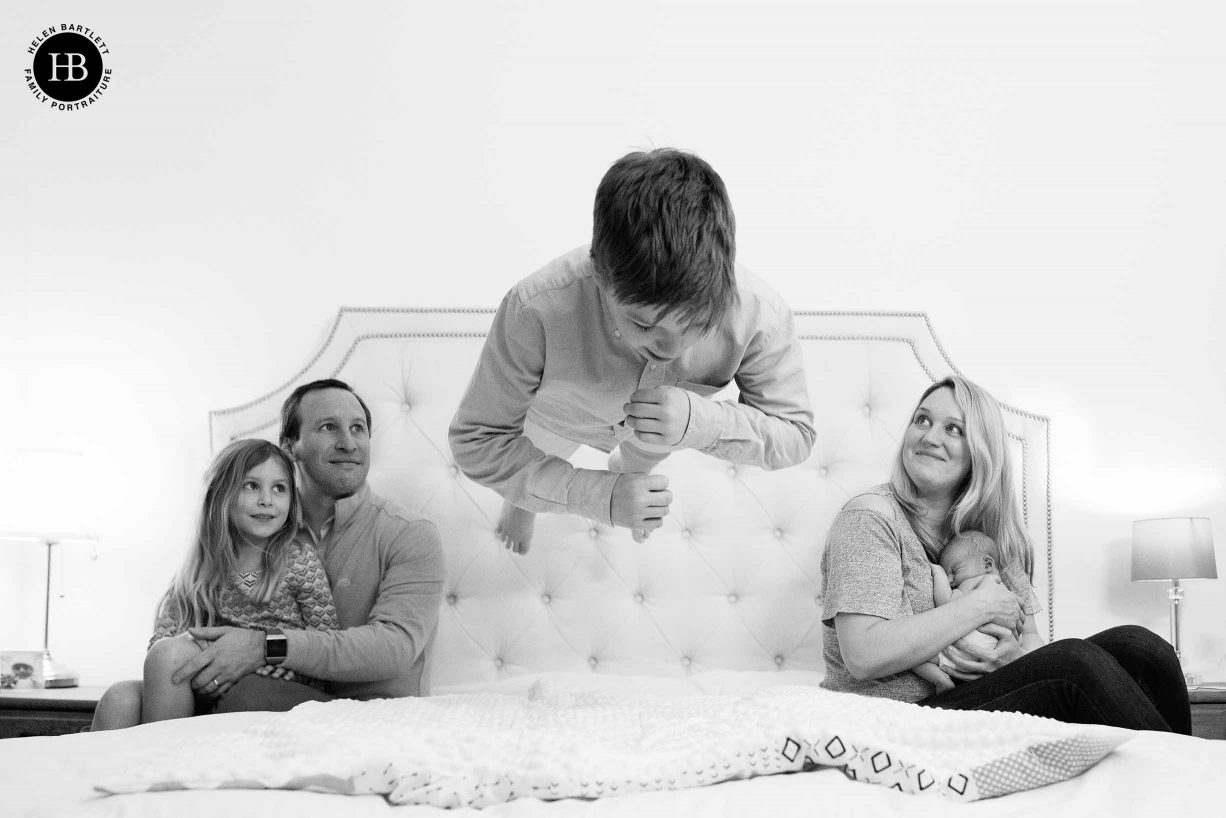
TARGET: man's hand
(659,415)
(231,655)
(640,500)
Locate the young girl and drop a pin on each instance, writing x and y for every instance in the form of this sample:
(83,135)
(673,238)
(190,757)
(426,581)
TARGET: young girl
(247,567)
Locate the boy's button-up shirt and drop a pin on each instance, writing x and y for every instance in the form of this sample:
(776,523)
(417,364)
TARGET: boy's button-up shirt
(552,356)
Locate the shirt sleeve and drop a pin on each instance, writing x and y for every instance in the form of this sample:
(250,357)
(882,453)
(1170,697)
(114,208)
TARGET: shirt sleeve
(166,624)
(487,433)
(312,591)
(400,625)
(771,423)
(862,567)
(1015,580)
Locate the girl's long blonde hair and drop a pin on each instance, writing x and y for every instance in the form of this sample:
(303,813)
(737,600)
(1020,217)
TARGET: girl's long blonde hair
(194,598)
(986,501)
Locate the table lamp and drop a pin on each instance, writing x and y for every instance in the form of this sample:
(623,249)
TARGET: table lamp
(46,497)
(1173,549)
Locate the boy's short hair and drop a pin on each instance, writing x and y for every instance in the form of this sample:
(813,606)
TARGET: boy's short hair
(981,543)
(664,235)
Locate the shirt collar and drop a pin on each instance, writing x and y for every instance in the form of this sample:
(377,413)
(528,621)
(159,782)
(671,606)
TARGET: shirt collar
(346,507)
(342,514)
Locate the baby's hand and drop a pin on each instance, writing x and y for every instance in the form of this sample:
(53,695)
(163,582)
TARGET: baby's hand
(659,415)
(943,682)
(640,501)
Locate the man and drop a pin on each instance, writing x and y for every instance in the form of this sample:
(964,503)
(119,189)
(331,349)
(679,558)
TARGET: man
(384,562)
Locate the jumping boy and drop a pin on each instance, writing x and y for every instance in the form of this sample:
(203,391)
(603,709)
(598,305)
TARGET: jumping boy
(621,346)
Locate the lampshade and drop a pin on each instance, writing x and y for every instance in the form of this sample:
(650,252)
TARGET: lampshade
(47,495)
(1173,548)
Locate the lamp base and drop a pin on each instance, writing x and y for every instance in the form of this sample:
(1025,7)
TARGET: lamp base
(57,675)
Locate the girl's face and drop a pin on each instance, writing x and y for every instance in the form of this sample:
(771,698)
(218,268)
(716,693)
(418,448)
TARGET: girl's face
(262,505)
(935,453)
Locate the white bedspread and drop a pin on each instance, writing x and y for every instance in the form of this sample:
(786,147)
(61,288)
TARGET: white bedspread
(475,750)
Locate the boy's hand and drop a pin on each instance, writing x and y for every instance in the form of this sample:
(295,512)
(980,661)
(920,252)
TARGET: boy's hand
(640,501)
(659,415)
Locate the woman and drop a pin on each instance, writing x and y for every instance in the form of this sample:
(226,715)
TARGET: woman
(953,474)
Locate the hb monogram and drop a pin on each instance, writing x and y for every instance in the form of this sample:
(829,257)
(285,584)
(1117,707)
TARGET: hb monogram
(71,66)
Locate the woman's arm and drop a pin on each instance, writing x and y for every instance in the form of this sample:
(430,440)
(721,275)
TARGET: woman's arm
(971,661)
(873,647)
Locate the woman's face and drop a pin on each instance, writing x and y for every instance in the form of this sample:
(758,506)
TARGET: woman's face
(935,453)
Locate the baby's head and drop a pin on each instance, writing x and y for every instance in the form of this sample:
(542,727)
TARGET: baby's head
(663,249)
(970,554)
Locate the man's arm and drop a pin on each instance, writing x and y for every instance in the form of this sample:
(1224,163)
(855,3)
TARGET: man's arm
(772,424)
(399,626)
(486,434)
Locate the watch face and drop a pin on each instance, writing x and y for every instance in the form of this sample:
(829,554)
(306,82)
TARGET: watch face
(276,646)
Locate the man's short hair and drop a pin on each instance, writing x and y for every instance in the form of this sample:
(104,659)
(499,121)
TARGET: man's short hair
(291,421)
(664,236)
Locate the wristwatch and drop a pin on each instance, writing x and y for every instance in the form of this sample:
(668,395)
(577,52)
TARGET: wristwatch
(276,646)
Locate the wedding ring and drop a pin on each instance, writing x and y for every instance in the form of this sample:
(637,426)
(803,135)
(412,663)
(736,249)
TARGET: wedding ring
(217,683)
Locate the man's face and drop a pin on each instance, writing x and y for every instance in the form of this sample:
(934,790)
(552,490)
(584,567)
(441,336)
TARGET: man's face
(333,446)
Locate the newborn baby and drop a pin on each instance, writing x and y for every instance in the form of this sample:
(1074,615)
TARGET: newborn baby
(970,554)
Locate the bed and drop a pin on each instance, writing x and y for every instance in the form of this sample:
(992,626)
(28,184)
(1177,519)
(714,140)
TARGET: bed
(719,612)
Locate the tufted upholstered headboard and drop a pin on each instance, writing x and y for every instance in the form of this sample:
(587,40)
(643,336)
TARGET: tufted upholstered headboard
(730,582)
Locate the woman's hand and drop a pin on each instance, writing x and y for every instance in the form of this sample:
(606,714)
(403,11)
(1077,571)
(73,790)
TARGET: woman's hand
(971,661)
(1001,606)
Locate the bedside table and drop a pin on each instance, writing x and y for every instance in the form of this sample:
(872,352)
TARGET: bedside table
(47,712)
(1208,712)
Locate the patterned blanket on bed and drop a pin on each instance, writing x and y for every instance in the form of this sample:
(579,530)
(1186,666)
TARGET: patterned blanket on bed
(480,749)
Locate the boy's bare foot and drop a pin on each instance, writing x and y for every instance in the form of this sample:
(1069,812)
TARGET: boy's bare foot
(616,465)
(515,527)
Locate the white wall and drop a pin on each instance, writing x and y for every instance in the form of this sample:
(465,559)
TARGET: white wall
(1045,180)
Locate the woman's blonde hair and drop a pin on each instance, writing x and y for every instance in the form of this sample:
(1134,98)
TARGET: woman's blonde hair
(194,598)
(986,500)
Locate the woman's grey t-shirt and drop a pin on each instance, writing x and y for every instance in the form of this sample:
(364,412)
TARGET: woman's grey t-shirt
(875,564)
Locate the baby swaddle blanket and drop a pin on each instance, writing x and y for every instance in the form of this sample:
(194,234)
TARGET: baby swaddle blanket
(479,749)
